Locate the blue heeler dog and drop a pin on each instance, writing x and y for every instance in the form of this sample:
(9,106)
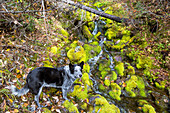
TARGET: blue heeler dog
(62,77)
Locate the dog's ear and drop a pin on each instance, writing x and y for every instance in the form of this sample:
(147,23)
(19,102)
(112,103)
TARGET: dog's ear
(71,68)
(81,64)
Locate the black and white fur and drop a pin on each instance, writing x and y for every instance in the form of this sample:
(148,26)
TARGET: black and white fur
(62,77)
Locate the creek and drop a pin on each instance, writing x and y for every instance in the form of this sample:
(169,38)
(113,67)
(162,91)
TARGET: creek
(127,104)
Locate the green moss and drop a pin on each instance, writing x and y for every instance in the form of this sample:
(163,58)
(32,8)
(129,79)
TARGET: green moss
(116,91)
(143,62)
(141,86)
(113,76)
(86,68)
(142,102)
(87,33)
(148,109)
(107,82)
(85,79)
(79,92)
(103,106)
(47,63)
(84,106)
(55,50)
(91,25)
(92,49)
(120,68)
(131,70)
(77,54)
(161,85)
(110,33)
(104,73)
(131,85)
(97,35)
(118,34)
(104,67)
(74,44)
(126,32)
(101,87)
(87,16)
(60,29)
(70,107)
(135,82)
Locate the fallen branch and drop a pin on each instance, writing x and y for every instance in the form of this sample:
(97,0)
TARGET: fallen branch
(100,13)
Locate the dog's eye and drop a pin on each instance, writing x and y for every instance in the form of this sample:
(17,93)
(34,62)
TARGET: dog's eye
(76,71)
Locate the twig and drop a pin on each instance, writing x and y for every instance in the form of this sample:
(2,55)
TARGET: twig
(44,18)
(15,21)
(28,11)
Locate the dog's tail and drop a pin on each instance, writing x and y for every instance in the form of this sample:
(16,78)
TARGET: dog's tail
(19,92)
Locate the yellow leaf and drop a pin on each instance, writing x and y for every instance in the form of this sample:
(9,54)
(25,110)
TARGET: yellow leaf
(8,50)
(11,101)
(16,110)
(17,71)
(54,49)
(23,41)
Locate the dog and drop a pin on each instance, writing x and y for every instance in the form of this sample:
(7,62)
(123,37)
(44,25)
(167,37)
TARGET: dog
(62,77)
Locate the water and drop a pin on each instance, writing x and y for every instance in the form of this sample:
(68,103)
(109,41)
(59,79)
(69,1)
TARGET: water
(127,103)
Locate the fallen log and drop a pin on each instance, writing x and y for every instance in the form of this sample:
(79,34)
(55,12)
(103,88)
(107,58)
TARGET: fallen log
(100,13)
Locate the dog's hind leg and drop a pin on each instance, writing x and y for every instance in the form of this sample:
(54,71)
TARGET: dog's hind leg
(36,98)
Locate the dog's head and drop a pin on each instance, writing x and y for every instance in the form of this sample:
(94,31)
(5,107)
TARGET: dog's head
(76,70)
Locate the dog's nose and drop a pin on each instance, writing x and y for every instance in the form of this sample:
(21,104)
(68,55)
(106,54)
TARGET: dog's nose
(80,75)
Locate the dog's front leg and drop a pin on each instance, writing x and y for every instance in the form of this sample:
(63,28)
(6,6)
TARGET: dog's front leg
(64,92)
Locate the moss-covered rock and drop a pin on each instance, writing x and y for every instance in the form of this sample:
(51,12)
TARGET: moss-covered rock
(104,73)
(85,79)
(161,85)
(146,107)
(141,86)
(131,85)
(103,106)
(70,107)
(104,67)
(135,82)
(77,54)
(92,50)
(110,33)
(130,70)
(120,68)
(79,92)
(84,106)
(102,87)
(87,33)
(113,76)
(143,62)
(115,92)
(86,68)
(107,82)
